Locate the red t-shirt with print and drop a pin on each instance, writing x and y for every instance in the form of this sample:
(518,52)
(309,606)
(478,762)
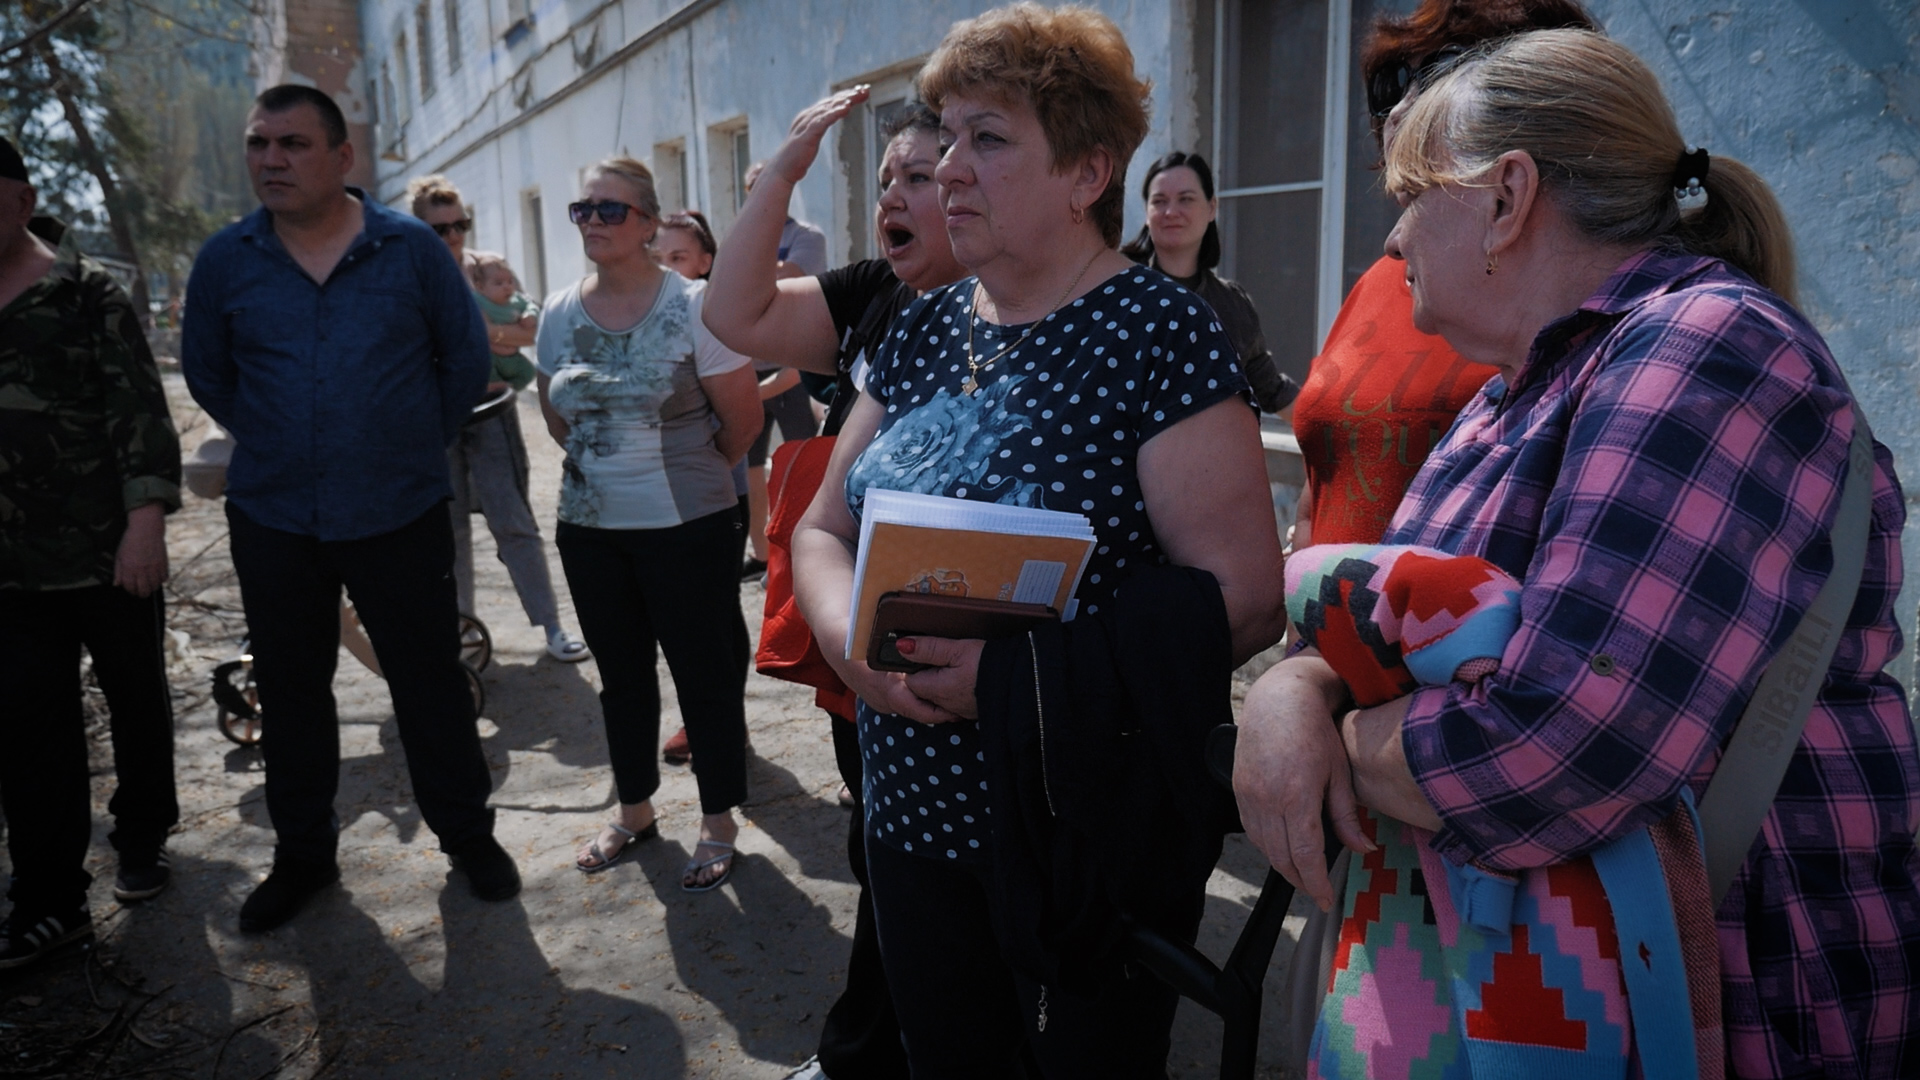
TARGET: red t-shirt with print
(1376,401)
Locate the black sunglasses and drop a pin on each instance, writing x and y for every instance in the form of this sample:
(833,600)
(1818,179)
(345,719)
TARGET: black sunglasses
(1389,86)
(611,212)
(463,226)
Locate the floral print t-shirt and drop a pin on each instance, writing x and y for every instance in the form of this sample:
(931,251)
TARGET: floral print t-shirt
(640,451)
(1057,423)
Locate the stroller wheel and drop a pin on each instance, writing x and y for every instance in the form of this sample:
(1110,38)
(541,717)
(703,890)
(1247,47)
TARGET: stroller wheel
(479,691)
(476,645)
(237,702)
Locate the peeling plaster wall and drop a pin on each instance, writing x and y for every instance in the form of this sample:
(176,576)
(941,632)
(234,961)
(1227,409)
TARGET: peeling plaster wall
(1822,97)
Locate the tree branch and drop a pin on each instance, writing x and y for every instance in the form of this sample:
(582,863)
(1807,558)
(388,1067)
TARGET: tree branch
(44,28)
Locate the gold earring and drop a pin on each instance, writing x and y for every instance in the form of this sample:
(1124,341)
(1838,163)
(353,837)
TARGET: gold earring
(1492,261)
(1079,215)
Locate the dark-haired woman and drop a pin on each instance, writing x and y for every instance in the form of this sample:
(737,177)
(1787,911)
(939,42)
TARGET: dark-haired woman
(1381,393)
(831,325)
(1181,239)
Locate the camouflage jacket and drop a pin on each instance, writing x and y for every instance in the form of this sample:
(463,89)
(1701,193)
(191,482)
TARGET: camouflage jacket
(85,434)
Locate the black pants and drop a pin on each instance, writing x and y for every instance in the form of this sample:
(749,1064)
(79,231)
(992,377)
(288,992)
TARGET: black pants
(43,772)
(965,1013)
(861,1038)
(677,588)
(402,588)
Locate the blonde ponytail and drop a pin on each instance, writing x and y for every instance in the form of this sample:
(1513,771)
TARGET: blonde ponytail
(1599,129)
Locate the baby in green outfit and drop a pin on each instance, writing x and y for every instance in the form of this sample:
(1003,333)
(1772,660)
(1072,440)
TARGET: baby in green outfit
(497,291)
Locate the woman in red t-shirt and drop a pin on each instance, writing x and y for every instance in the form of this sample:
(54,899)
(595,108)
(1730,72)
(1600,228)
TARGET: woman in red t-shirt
(1381,394)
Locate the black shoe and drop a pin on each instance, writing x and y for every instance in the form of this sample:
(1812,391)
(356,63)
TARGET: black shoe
(283,894)
(490,872)
(752,569)
(142,877)
(28,941)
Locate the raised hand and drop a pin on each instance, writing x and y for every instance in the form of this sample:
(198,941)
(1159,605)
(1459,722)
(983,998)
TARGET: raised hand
(795,156)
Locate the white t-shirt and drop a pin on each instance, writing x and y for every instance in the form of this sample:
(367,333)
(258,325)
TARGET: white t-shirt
(640,452)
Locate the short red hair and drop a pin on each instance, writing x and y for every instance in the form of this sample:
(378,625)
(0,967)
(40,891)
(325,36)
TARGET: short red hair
(1072,66)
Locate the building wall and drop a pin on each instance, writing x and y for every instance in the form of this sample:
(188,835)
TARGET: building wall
(318,43)
(1821,96)
(531,109)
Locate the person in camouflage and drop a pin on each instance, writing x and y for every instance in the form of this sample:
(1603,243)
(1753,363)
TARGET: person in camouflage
(89,466)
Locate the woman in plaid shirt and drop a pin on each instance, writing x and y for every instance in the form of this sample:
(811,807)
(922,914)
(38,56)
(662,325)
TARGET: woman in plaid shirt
(1660,464)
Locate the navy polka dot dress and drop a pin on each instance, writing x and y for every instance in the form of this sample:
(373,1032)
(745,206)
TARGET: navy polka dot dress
(1057,423)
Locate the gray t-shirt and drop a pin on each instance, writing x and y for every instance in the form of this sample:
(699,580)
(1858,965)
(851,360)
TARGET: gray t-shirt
(640,454)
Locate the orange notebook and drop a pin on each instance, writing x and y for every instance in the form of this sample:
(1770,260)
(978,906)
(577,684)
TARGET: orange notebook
(958,547)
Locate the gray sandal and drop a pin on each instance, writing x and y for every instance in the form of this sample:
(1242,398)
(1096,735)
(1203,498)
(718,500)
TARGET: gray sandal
(694,866)
(602,861)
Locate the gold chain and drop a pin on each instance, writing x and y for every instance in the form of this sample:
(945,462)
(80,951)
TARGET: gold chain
(974,364)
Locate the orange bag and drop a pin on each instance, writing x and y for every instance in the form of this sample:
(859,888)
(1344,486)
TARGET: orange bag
(787,648)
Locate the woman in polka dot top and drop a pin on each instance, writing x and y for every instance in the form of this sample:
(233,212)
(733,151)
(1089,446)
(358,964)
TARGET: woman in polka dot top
(1061,376)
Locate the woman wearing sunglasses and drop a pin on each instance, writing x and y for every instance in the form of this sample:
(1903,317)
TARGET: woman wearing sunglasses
(487,462)
(653,412)
(1381,393)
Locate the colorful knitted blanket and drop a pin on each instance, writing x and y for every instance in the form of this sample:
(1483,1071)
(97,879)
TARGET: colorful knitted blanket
(1392,618)
(1575,971)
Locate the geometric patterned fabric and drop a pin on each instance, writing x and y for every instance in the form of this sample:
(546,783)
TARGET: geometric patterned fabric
(1418,993)
(1391,618)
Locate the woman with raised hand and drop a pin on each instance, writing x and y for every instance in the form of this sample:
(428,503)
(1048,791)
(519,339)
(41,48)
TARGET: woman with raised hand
(488,461)
(1079,382)
(1660,464)
(1181,239)
(653,412)
(831,325)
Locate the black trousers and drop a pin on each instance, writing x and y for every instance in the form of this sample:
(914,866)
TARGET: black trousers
(43,772)
(861,1038)
(402,588)
(678,589)
(966,1014)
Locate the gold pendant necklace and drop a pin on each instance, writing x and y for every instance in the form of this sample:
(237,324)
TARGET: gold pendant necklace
(974,364)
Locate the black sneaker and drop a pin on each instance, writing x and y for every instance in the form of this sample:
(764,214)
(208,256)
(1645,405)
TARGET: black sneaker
(283,894)
(489,869)
(30,941)
(753,569)
(142,877)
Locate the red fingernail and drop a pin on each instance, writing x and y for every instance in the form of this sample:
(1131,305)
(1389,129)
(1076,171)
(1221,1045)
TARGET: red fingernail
(906,646)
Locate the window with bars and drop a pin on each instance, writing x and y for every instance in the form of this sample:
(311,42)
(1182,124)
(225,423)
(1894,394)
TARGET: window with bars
(670,175)
(403,82)
(454,44)
(423,32)
(1301,212)
(742,161)
(729,153)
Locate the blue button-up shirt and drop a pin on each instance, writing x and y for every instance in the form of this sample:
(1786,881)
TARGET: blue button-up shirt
(341,397)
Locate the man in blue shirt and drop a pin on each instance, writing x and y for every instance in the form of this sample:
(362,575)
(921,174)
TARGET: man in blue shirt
(341,347)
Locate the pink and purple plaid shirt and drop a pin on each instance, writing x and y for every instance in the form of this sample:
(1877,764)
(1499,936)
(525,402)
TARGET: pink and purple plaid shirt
(1663,477)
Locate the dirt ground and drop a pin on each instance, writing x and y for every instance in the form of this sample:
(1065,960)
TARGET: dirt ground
(398,972)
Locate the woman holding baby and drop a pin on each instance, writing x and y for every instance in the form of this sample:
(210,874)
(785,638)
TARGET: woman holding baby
(488,461)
